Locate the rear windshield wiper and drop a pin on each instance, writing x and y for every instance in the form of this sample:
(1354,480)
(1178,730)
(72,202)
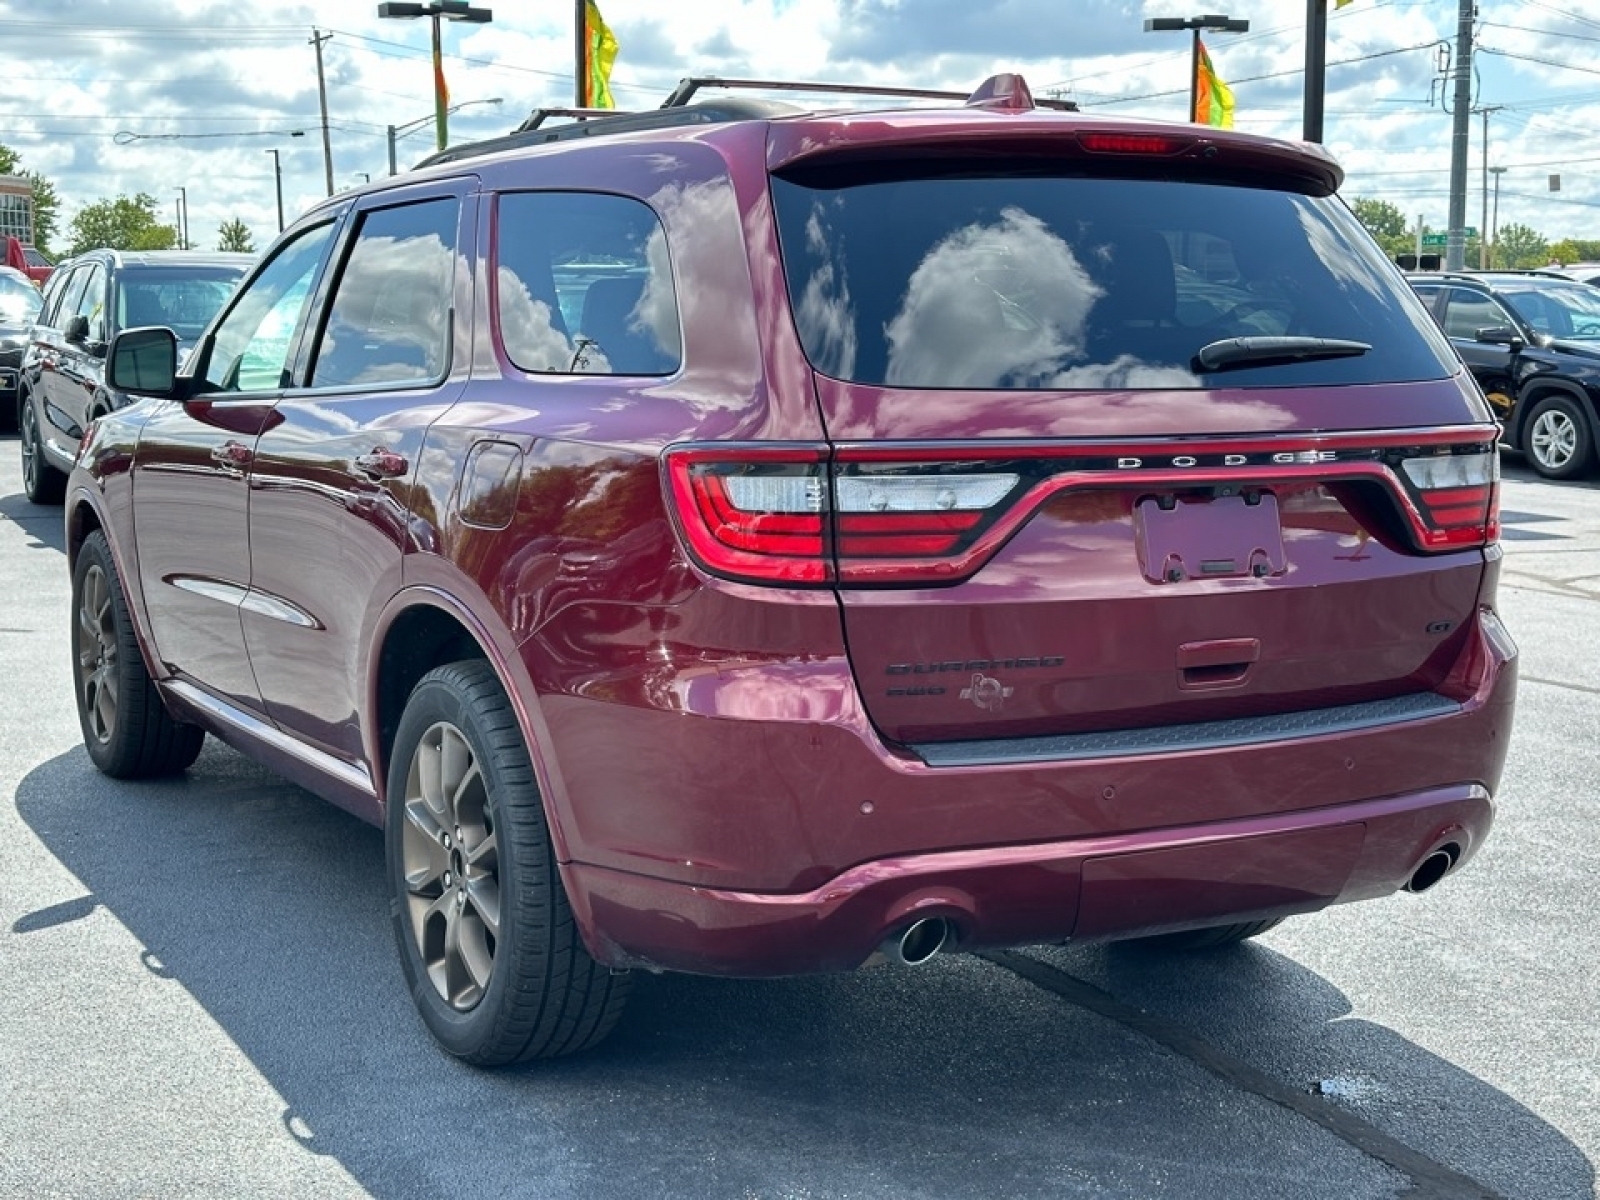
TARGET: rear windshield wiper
(1240,351)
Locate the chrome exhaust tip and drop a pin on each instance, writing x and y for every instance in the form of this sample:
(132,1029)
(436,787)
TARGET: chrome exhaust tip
(918,942)
(1432,869)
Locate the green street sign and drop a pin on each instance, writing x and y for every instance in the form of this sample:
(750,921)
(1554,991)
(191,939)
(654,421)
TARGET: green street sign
(1443,239)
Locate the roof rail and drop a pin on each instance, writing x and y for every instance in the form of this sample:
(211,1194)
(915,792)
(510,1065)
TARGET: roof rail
(1003,92)
(688,87)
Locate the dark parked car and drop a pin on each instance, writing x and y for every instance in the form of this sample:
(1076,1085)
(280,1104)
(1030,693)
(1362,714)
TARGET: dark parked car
(1532,340)
(745,541)
(87,302)
(19,306)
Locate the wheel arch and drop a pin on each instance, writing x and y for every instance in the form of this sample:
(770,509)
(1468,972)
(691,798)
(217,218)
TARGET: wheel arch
(425,627)
(1541,386)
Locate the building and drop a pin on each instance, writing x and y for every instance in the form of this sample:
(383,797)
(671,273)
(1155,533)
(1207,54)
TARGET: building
(16,208)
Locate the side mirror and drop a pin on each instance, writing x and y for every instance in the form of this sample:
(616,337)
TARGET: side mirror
(1500,335)
(143,362)
(77,330)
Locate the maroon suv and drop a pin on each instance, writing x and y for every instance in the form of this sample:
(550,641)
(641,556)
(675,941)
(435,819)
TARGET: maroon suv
(748,541)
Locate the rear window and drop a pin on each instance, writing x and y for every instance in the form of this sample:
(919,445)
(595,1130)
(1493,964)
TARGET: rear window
(1031,281)
(184,299)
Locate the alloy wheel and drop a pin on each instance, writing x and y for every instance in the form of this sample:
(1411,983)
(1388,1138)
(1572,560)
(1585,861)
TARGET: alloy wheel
(96,651)
(29,438)
(450,858)
(1553,438)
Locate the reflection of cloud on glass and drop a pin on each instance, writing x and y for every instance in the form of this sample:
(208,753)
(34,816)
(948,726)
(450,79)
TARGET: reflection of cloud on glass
(990,306)
(1123,372)
(531,337)
(826,316)
(1336,249)
(393,306)
(656,314)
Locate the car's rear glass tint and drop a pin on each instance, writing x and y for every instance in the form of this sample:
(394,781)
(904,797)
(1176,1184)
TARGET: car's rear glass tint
(1032,281)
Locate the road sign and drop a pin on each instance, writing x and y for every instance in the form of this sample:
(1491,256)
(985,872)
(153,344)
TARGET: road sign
(1443,239)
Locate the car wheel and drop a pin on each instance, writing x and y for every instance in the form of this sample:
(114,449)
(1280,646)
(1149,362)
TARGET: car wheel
(1558,438)
(486,935)
(1206,939)
(42,482)
(126,728)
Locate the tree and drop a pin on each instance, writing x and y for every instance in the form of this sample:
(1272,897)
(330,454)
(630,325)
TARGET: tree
(1386,223)
(126,223)
(235,235)
(45,201)
(1519,246)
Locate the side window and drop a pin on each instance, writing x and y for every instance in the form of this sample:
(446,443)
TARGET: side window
(583,285)
(55,292)
(252,347)
(389,321)
(91,303)
(1470,312)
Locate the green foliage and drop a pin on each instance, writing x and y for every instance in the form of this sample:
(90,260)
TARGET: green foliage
(235,235)
(126,223)
(1519,246)
(1575,250)
(1386,223)
(45,202)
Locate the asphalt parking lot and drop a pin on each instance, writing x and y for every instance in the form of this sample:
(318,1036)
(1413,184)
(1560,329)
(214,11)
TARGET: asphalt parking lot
(202,999)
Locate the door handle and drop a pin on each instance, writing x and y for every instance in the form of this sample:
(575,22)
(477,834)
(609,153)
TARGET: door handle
(383,464)
(233,455)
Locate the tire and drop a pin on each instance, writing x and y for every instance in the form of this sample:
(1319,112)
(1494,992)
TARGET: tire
(487,941)
(1558,439)
(1213,938)
(127,730)
(41,481)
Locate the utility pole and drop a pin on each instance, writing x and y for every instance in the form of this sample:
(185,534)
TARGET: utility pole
(1455,252)
(581,54)
(317,38)
(1483,229)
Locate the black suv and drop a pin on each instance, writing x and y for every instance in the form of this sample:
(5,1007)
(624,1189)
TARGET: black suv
(1532,341)
(88,301)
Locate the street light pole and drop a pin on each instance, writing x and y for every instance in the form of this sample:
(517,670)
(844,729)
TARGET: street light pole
(396,132)
(183,218)
(449,10)
(1211,21)
(1494,220)
(277,178)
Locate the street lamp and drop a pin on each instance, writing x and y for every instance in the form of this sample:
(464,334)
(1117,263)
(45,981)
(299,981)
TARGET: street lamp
(450,10)
(183,218)
(399,131)
(1211,21)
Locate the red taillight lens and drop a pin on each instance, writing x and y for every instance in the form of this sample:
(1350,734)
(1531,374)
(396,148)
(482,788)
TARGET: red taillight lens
(1458,496)
(754,514)
(774,515)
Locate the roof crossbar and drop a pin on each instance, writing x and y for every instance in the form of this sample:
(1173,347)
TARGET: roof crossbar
(688,87)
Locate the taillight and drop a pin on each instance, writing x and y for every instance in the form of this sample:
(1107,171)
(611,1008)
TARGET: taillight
(775,515)
(1458,496)
(757,514)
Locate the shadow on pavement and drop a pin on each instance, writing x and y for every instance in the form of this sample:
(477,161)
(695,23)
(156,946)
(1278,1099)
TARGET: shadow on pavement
(960,1079)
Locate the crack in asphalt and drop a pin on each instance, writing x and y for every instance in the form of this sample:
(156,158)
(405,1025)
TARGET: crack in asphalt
(1430,1180)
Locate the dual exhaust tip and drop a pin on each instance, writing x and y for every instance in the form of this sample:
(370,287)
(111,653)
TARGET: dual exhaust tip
(922,941)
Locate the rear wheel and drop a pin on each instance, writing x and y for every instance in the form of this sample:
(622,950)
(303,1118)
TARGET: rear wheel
(41,481)
(1559,440)
(127,730)
(487,939)
(1206,939)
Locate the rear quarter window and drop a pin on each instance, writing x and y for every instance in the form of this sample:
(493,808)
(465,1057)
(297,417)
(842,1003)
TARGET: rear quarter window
(583,285)
(1032,281)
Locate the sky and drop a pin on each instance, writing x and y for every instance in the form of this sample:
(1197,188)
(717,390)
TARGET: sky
(111,97)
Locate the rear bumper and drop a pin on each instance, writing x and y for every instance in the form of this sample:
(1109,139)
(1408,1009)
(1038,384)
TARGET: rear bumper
(762,827)
(1087,888)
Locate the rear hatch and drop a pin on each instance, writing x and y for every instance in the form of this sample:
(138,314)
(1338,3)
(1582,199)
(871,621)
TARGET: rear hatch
(1126,430)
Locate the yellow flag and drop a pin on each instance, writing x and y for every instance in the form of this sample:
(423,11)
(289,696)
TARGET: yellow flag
(1340,3)
(600,51)
(1213,99)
